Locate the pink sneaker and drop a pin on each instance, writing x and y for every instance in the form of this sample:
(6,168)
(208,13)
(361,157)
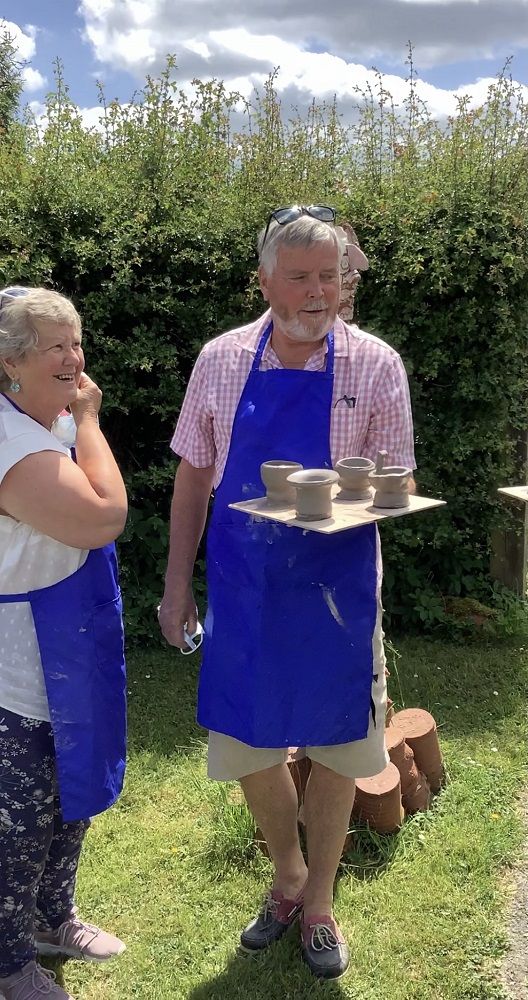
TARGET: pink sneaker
(75,939)
(32,983)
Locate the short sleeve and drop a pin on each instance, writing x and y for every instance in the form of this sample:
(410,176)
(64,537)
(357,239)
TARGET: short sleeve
(193,438)
(391,425)
(15,447)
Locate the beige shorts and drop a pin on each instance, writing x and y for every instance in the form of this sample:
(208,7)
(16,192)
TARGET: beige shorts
(229,760)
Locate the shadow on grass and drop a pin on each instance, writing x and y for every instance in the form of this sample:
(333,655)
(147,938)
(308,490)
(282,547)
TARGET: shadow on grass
(275,974)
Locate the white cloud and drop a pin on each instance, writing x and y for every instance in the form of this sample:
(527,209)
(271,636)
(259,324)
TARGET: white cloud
(24,43)
(320,49)
(33,80)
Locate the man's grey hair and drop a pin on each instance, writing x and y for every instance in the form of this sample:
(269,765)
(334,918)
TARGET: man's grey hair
(304,233)
(20,311)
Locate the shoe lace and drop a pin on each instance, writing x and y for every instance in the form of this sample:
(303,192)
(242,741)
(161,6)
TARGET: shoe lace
(42,982)
(323,937)
(269,909)
(77,933)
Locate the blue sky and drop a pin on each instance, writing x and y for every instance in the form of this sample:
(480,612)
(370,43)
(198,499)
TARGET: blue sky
(320,48)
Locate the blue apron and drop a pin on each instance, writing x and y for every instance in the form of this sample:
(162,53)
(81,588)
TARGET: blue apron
(79,628)
(291,613)
(80,636)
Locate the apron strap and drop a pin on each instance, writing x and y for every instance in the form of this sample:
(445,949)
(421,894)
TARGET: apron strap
(261,345)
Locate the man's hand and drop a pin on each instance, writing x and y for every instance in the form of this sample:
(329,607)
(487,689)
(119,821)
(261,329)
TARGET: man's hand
(178,612)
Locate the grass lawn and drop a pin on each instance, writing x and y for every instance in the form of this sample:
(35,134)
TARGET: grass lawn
(170,868)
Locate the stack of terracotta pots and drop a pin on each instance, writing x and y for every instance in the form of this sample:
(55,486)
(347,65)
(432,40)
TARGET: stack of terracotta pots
(404,787)
(415,758)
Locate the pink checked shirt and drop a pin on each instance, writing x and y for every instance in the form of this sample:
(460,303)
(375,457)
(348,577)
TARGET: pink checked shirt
(371,409)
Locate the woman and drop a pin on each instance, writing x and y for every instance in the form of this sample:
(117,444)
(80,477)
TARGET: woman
(62,684)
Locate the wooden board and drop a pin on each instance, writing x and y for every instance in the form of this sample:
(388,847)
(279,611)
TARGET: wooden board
(346,513)
(517,492)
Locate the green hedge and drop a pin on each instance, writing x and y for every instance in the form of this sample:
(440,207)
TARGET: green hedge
(150,226)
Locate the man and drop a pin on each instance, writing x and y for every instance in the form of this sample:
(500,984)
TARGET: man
(293,652)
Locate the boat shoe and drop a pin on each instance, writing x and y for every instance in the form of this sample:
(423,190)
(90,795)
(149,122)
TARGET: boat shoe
(323,946)
(277,914)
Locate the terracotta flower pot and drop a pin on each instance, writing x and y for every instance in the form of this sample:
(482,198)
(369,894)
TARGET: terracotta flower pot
(395,746)
(409,771)
(417,798)
(419,730)
(378,800)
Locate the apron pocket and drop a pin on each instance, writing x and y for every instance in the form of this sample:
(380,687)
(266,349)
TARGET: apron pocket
(108,634)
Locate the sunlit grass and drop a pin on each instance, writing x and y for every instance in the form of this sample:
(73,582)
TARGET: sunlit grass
(173,869)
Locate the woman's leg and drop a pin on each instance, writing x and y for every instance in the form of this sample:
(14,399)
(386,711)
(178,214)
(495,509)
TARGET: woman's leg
(27,793)
(57,883)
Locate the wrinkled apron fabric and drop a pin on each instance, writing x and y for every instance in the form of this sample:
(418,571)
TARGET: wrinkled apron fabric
(78,623)
(291,613)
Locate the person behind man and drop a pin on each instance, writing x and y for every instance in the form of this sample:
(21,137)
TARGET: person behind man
(62,679)
(293,652)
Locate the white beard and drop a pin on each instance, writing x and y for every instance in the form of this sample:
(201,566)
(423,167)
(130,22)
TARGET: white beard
(307,332)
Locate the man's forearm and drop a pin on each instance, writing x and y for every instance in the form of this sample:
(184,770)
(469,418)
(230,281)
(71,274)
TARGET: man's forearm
(192,489)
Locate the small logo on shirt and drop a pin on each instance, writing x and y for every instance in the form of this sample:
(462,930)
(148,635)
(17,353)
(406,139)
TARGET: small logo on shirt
(349,401)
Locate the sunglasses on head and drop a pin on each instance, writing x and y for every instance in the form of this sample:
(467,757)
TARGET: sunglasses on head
(323,213)
(13,292)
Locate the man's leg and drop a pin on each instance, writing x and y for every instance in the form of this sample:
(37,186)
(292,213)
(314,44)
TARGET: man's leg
(272,798)
(327,807)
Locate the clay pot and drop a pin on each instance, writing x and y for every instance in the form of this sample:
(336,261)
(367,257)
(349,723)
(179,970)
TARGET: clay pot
(279,492)
(314,493)
(353,478)
(391,483)
(395,746)
(419,730)
(417,798)
(416,793)
(378,800)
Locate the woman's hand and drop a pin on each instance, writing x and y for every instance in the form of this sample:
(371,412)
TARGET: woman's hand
(88,400)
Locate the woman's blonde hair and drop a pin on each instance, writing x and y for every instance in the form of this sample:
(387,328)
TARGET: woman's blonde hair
(20,309)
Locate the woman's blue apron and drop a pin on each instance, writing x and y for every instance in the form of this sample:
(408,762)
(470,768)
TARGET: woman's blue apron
(80,636)
(291,613)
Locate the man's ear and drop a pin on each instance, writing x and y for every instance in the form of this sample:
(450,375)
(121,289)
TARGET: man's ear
(263,282)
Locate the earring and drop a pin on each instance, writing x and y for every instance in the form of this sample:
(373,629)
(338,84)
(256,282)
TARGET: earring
(15,385)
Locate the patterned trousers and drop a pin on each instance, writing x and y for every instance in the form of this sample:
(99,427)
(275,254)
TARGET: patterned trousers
(39,853)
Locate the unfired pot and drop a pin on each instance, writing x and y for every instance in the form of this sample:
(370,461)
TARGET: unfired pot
(314,493)
(354,478)
(391,483)
(274,475)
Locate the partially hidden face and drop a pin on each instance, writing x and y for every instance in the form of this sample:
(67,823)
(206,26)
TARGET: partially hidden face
(303,290)
(49,373)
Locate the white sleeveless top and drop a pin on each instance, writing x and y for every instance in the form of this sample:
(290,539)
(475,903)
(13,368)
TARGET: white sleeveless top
(29,560)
